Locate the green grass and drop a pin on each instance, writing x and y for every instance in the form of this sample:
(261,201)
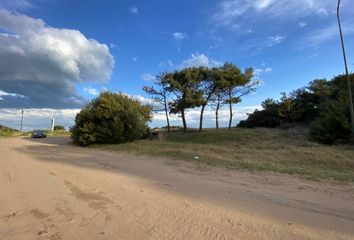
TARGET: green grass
(281,151)
(58,133)
(10,132)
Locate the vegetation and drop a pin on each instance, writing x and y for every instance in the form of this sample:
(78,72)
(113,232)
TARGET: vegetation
(58,133)
(200,87)
(59,127)
(323,105)
(8,132)
(282,151)
(111,118)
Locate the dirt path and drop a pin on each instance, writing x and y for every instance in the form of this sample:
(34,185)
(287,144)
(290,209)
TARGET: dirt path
(52,190)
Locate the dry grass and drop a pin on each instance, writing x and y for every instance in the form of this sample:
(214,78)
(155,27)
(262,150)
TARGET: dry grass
(251,149)
(10,132)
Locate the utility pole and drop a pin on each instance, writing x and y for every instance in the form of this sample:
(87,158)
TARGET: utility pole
(21,120)
(346,69)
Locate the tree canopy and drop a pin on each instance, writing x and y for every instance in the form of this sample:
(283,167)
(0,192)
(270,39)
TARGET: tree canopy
(200,87)
(323,105)
(111,118)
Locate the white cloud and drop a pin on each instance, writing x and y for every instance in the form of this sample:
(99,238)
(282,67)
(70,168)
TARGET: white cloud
(15,4)
(2,93)
(268,70)
(179,36)
(44,63)
(91,91)
(231,11)
(257,72)
(315,38)
(200,60)
(134,10)
(170,63)
(135,59)
(37,118)
(147,77)
(302,24)
(274,40)
(167,63)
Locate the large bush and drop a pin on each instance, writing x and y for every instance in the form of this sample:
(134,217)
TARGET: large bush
(111,118)
(333,124)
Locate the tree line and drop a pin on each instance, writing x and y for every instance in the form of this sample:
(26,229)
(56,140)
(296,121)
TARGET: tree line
(323,106)
(201,87)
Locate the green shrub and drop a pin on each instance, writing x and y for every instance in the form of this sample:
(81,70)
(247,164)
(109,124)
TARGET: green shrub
(58,127)
(333,124)
(111,118)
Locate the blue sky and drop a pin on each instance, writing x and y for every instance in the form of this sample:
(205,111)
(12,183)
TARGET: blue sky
(124,43)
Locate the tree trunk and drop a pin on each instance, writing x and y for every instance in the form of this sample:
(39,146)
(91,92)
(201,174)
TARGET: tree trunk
(217,112)
(201,118)
(230,107)
(217,118)
(166,112)
(203,107)
(184,121)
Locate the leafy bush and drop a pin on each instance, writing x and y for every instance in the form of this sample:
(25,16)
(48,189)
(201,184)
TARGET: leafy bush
(58,127)
(111,118)
(332,125)
(261,118)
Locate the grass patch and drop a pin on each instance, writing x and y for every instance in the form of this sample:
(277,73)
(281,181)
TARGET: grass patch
(281,151)
(10,132)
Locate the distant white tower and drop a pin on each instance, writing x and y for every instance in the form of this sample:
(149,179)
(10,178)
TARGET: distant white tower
(53,122)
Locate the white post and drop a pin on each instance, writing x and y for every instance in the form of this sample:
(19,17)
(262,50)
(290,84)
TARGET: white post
(53,121)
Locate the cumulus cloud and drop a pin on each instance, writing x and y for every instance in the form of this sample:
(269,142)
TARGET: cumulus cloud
(200,60)
(44,63)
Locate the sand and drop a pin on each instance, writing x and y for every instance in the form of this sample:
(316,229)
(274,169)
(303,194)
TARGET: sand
(50,189)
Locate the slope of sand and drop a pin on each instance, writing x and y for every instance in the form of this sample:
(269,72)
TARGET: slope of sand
(50,189)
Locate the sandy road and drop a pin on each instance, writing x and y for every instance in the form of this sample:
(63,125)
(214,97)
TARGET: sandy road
(52,190)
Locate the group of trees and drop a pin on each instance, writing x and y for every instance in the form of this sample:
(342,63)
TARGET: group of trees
(323,105)
(201,87)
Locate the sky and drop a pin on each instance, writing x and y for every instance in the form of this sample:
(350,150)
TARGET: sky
(57,55)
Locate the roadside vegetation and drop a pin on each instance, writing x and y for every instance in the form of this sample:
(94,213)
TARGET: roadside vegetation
(10,132)
(111,118)
(322,106)
(275,150)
